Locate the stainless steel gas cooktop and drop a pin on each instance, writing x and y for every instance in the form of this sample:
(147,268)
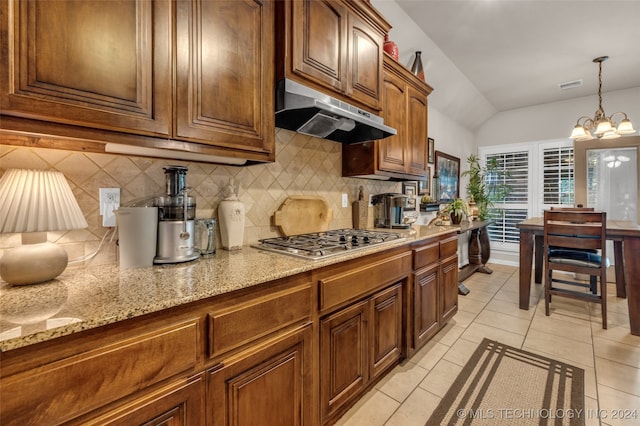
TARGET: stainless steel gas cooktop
(320,245)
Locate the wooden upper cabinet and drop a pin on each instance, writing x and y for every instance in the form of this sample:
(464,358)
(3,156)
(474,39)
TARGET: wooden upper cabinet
(191,75)
(365,60)
(392,150)
(224,79)
(94,64)
(404,107)
(417,144)
(333,45)
(319,42)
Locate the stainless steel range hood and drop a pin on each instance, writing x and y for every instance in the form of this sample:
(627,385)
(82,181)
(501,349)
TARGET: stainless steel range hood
(308,111)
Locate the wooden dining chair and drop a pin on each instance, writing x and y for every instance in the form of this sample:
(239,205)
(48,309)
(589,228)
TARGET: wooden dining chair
(593,280)
(570,239)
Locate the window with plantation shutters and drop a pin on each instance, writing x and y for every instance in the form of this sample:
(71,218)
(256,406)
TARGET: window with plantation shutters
(557,183)
(539,175)
(513,168)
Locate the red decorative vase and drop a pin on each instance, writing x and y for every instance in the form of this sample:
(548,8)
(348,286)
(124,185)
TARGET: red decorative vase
(391,47)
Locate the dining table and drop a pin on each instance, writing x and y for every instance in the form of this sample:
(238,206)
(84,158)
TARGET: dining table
(626,246)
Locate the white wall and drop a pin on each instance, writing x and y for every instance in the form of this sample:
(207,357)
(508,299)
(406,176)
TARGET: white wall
(453,94)
(450,136)
(458,100)
(554,120)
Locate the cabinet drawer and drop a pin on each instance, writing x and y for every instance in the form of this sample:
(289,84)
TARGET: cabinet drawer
(340,288)
(239,324)
(65,389)
(449,246)
(426,255)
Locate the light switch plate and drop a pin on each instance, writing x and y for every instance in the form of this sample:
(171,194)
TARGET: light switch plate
(345,200)
(109,201)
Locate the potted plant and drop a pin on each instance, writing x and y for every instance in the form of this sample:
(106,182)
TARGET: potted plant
(429,204)
(486,184)
(456,209)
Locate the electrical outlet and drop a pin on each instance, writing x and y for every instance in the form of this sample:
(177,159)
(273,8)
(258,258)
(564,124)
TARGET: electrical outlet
(345,200)
(109,201)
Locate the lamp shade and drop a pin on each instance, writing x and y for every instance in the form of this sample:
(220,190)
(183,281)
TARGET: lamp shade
(626,127)
(38,201)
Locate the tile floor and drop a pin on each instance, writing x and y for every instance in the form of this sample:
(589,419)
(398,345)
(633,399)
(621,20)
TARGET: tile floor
(572,333)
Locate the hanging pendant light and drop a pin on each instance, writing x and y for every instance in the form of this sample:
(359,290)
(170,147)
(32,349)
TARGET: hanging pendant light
(603,127)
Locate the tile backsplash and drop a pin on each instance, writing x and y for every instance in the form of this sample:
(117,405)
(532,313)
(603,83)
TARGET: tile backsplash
(304,166)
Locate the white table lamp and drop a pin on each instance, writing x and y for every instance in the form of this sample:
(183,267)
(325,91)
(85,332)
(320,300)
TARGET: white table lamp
(34,202)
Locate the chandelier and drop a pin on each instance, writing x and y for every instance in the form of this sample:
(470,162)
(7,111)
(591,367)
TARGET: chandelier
(605,127)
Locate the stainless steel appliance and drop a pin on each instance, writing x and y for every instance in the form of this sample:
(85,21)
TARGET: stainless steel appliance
(320,245)
(176,219)
(313,113)
(389,210)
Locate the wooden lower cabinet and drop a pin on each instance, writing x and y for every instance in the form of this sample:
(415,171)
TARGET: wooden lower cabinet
(267,384)
(86,375)
(435,288)
(357,345)
(179,404)
(296,351)
(425,305)
(385,330)
(449,287)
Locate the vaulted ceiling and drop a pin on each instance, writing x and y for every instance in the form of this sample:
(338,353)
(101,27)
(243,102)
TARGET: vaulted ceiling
(517,52)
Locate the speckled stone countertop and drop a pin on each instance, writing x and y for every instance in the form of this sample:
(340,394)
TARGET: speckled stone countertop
(82,298)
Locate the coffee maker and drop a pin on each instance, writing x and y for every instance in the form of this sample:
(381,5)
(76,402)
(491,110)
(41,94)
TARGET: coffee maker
(388,210)
(176,219)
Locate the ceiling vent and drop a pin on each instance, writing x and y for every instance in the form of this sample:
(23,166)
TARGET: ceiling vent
(570,84)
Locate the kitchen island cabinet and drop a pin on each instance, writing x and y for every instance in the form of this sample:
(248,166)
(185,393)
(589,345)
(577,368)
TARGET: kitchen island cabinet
(143,73)
(404,155)
(233,339)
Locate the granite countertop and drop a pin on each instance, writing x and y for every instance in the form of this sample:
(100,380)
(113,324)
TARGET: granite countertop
(83,298)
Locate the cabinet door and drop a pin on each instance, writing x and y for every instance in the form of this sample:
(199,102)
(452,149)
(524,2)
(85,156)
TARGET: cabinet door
(365,62)
(385,328)
(179,404)
(449,288)
(425,305)
(267,384)
(224,73)
(343,357)
(319,42)
(96,64)
(417,131)
(392,150)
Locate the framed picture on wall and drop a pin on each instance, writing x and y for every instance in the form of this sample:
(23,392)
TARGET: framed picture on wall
(448,170)
(411,189)
(431,150)
(424,185)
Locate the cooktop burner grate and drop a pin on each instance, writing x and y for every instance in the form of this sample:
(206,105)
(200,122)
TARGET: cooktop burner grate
(320,245)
